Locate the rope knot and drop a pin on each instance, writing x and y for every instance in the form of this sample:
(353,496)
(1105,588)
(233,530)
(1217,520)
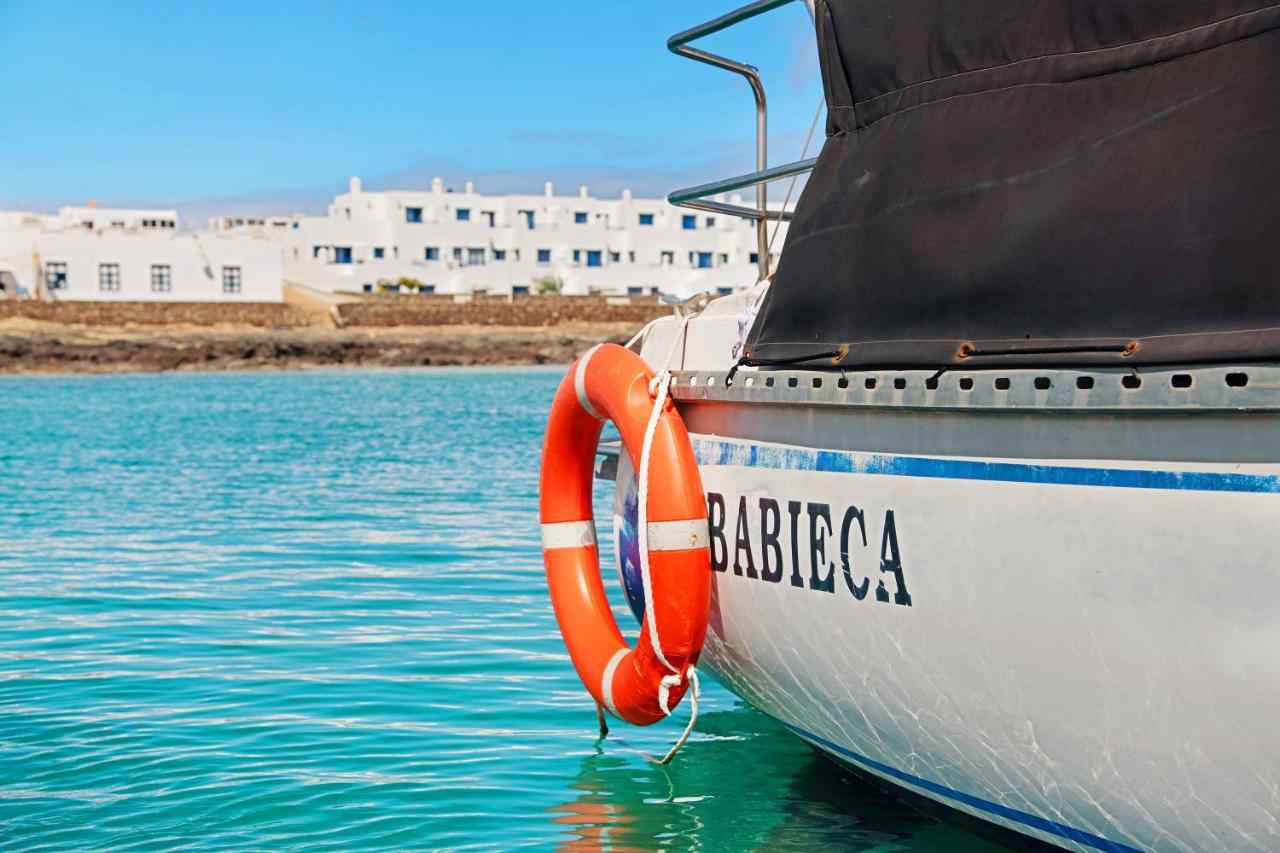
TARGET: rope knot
(657,382)
(664,690)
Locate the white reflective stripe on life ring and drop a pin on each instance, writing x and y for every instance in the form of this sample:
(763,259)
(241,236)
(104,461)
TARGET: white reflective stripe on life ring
(678,535)
(580,384)
(568,534)
(606,682)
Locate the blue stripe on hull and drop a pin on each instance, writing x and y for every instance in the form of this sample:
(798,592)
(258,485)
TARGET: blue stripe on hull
(1045,825)
(711,451)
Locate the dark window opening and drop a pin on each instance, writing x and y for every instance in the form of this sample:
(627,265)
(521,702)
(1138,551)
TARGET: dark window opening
(161,278)
(231,280)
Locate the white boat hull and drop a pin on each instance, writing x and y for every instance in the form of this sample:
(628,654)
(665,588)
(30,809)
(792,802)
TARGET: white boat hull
(1081,648)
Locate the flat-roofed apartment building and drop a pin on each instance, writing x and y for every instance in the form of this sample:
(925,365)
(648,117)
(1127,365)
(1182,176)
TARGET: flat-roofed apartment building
(441,241)
(132,255)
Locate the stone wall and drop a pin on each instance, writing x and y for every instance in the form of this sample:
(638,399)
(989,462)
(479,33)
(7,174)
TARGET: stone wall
(409,310)
(264,314)
(383,311)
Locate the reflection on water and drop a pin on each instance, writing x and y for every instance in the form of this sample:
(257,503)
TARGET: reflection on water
(307,612)
(740,769)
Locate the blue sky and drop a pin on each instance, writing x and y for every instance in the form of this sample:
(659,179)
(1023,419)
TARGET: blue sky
(271,106)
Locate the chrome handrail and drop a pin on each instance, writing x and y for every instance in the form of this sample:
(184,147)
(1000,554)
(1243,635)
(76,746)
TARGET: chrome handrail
(694,197)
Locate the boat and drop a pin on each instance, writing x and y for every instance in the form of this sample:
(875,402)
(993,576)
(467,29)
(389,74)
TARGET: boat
(992,458)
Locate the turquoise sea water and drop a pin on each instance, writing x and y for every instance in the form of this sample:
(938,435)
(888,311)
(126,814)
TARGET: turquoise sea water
(305,611)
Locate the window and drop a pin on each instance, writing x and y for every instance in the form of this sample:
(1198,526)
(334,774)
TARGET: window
(426,289)
(755,257)
(711,222)
(161,278)
(462,214)
(646,219)
(544,256)
(55,275)
(577,256)
(688,222)
(367,287)
(724,291)
(378,252)
(499,254)
(432,253)
(109,277)
(580,217)
(231,281)
(615,257)
(489,217)
(635,291)
(413,214)
(475,257)
(457,254)
(631,257)
(519,290)
(342,254)
(528,218)
(724,259)
(668,257)
(593,258)
(704,260)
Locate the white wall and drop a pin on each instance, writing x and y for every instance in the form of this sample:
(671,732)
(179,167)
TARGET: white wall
(30,243)
(359,223)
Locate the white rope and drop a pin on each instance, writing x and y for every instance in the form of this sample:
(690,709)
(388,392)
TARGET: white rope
(804,152)
(664,691)
(639,336)
(693,717)
(658,387)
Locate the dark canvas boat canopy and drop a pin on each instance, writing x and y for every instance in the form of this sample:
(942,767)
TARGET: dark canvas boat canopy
(1037,181)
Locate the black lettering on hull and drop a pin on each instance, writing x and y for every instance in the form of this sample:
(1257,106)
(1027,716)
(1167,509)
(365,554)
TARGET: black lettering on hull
(763,524)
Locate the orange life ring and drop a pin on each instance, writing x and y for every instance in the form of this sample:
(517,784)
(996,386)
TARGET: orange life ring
(612,383)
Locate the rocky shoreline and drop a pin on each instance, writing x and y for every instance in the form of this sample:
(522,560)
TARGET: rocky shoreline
(35,346)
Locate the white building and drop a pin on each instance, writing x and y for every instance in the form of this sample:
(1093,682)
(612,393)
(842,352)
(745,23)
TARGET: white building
(115,254)
(440,241)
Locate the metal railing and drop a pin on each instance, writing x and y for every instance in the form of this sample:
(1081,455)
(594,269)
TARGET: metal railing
(696,197)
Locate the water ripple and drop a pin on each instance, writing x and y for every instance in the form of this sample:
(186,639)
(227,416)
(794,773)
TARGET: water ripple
(306,612)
